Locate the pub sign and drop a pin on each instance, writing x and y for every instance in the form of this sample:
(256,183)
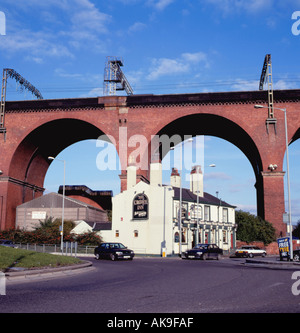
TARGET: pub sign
(140,207)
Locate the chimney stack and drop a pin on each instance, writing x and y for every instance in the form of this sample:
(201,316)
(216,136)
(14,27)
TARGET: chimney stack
(131,174)
(175,178)
(196,180)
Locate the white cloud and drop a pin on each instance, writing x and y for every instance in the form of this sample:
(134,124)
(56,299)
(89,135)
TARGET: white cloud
(245,85)
(160,4)
(62,73)
(86,17)
(249,85)
(247,208)
(164,66)
(194,57)
(37,44)
(282,85)
(183,64)
(94,92)
(137,26)
(83,23)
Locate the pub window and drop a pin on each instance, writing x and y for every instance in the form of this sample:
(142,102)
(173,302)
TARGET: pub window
(206,213)
(196,212)
(176,236)
(136,233)
(224,236)
(225,215)
(183,235)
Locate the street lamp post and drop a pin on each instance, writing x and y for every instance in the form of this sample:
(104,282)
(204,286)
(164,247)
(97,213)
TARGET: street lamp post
(197,229)
(180,198)
(180,195)
(63,203)
(288,175)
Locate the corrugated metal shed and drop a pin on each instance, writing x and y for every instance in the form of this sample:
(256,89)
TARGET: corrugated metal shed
(30,213)
(54,200)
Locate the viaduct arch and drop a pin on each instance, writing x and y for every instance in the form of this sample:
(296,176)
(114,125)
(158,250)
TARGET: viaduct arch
(37,129)
(218,126)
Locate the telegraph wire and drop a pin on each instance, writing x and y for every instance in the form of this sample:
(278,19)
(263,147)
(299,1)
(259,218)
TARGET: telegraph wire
(163,86)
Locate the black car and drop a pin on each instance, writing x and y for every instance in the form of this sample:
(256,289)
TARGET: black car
(113,251)
(7,243)
(203,251)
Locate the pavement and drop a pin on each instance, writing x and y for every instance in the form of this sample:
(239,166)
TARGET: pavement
(272,262)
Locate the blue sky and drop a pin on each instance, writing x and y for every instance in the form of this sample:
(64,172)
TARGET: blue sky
(168,46)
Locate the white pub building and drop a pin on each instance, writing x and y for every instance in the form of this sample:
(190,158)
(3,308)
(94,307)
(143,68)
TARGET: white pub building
(145,217)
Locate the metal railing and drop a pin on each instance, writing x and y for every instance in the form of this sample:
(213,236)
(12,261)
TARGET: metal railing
(69,248)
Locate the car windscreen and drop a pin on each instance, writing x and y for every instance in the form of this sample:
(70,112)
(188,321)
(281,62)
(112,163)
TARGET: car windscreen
(200,246)
(117,246)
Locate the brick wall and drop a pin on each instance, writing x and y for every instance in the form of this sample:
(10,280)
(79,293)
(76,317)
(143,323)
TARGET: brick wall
(272,248)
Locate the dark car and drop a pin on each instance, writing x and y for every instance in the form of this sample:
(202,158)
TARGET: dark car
(7,243)
(203,251)
(113,251)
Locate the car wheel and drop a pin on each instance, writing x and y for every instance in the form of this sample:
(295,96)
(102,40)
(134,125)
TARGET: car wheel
(250,255)
(218,257)
(264,254)
(296,257)
(113,257)
(204,256)
(97,256)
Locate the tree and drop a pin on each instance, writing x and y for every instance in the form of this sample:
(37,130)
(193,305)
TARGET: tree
(51,225)
(47,223)
(251,228)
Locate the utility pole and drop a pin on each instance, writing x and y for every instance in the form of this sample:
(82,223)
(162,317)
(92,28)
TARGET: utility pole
(24,84)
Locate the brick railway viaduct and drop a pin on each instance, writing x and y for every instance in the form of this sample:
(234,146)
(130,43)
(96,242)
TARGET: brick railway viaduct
(41,128)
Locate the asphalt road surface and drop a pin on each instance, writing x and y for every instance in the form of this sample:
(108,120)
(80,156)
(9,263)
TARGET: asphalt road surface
(157,285)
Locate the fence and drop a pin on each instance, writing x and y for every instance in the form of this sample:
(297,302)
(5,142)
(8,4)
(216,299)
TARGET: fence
(70,248)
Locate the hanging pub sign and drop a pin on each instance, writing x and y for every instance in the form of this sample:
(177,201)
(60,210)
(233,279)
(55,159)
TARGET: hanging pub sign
(140,206)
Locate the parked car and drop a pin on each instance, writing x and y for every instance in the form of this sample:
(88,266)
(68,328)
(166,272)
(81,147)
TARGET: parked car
(203,251)
(250,251)
(113,251)
(8,243)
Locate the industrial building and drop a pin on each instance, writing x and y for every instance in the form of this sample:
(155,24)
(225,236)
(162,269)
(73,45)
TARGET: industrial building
(29,214)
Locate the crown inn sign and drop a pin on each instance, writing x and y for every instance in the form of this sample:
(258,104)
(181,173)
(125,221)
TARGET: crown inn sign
(140,207)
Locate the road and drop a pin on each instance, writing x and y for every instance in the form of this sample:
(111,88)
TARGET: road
(157,285)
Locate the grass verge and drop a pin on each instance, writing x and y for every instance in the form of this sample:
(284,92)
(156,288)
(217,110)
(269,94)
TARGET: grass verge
(11,257)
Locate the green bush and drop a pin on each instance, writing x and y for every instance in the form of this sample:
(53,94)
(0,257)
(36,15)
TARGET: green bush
(48,233)
(251,228)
